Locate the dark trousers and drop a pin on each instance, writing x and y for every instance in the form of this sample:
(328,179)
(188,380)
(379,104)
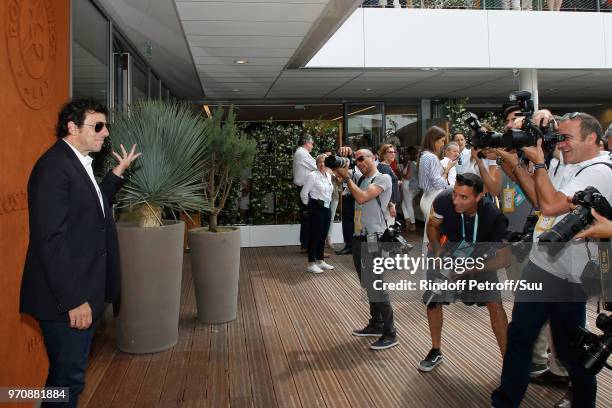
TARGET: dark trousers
(348,220)
(68,351)
(527,320)
(319,218)
(304,223)
(381,312)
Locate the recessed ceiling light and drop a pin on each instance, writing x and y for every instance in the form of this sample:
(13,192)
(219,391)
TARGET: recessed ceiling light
(241,61)
(235,90)
(368,89)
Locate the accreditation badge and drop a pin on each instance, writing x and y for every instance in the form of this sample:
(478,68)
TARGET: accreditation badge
(357,222)
(508,200)
(544,224)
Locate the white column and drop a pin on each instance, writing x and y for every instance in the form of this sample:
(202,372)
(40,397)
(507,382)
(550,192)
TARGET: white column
(528,81)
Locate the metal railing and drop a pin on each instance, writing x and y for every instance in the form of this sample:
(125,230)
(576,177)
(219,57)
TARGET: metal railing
(539,5)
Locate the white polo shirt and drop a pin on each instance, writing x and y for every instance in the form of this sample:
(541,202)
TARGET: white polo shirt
(86,162)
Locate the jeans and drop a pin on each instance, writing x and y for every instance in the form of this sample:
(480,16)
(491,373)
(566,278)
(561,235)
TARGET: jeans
(319,224)
(348,221)
(527,321)
(68,351)
(381,312)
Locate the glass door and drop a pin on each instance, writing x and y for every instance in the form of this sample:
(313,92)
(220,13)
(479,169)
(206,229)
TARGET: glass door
(363,125)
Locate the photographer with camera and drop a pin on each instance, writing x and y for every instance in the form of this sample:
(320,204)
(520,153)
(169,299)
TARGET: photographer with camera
(518,207)
(560,276)
(372,193)
(303,165)
(464,218)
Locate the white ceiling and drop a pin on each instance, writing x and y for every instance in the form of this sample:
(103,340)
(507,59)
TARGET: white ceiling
(209,36)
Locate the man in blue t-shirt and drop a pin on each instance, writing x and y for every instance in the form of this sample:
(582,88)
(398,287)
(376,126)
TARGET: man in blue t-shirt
(464,218)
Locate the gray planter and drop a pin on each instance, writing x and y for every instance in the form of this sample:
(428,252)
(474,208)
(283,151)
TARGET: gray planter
(151,269)
(215,260)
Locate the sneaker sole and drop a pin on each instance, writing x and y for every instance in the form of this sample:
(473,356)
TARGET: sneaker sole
(367,335)
(533,374)
(384,347)
(429,369)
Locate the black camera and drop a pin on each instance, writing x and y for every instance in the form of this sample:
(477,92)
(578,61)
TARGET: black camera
(578,219)
(335,162)
(594,350)
(527,135)
(521,241)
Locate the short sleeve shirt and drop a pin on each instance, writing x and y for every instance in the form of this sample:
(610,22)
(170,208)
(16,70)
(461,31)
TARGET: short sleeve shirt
(492,224)
(369,217)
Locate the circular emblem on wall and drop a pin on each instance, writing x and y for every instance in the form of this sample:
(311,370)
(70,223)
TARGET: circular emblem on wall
(31,46)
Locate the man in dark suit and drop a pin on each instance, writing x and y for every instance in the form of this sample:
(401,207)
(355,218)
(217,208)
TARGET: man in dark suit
(71,271)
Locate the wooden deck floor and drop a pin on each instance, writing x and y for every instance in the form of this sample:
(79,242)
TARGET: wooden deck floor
(291,346)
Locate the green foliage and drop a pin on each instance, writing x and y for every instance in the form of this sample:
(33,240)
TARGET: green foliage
(230,152)
(455,109)
(173,139)
(272,173)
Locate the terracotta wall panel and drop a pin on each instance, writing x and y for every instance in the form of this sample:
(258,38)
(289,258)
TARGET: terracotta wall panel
(34,78)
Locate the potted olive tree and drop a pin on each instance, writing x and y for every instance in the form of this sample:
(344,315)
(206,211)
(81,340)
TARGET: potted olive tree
(168,178)
(215,250)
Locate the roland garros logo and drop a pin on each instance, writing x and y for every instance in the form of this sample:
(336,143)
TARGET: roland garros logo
(31,46)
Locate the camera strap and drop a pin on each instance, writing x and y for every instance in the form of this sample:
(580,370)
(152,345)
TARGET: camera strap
(377,197)
(593,164)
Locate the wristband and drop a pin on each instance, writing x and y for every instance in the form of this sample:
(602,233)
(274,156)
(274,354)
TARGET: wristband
(538,166)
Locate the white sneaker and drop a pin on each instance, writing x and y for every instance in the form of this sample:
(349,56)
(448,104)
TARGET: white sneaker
(324,265)
(312,268)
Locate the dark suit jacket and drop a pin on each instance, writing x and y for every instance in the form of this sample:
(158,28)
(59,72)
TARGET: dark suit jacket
(73,252)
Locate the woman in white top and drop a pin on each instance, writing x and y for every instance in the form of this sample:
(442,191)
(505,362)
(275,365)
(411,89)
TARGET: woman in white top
(410,187)
(432,176)
(451,155)
(317,195)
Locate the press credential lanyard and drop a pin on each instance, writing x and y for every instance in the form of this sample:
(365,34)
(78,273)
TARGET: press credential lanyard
(475,228)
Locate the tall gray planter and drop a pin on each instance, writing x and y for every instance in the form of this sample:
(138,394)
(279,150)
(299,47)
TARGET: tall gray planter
(215,260)
(151,269)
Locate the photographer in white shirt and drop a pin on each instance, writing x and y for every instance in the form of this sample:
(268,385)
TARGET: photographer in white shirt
(303,164)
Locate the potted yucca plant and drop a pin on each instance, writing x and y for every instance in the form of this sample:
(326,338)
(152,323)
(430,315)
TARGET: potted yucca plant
(168,177)
(215,250)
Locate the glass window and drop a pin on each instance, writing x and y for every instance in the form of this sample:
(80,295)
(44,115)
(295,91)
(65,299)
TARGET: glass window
(90,52)
(140,82)
(154,87)
(364,125)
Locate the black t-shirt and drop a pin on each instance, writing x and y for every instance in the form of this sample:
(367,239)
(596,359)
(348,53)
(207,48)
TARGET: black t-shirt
(492,223)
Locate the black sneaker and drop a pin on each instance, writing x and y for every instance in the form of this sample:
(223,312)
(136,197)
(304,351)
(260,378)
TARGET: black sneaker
(368,331)
(434,357)
(386,341)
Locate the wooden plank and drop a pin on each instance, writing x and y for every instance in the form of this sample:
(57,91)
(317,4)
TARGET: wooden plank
(239,366)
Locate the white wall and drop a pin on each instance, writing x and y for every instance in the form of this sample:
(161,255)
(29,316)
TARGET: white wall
(400,38)
(279,235)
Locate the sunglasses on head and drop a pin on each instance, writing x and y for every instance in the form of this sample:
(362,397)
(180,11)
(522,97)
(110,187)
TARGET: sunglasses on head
(572,115)
(98,126)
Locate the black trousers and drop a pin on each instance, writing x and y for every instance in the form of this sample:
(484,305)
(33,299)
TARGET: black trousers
(318,221)
(381,312)
(304,224)
(528,317)
(348,220)
(68,352)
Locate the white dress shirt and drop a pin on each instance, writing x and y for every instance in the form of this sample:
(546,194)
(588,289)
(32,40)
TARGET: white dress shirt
(303,164)
(86,162)
(318,187)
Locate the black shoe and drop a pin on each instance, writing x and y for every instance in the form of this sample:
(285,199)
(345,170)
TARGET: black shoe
(548,378)
(566,401)
(386,341)
(368,331)
(344,251)
(433,359)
